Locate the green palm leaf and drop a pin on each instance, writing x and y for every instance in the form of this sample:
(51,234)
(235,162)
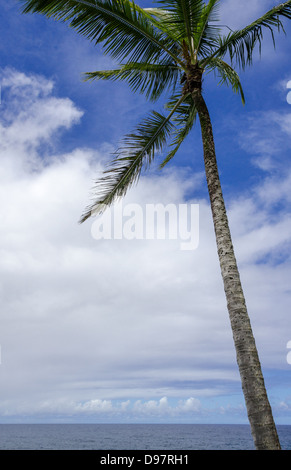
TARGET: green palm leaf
(240,44)
(150,79)
(162,20)
(208,31)
(125,31)
(227,74)
(185,117)
(185,15)
(136,153)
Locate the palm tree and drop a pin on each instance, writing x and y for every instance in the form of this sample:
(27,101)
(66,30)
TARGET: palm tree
(168,49)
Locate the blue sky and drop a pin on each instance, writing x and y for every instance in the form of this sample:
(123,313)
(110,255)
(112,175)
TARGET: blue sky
(135,330)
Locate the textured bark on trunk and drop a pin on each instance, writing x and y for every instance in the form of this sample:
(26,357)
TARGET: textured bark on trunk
(257,404)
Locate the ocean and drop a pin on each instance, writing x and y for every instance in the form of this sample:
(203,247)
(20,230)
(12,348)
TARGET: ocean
(131,437)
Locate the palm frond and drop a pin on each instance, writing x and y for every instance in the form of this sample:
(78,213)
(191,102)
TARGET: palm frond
(165,21)
(185,16)
(240,44)
(184,119)
(150,79)
(125,31)
(161,19)
(227,74)
(208,31)
(136,153)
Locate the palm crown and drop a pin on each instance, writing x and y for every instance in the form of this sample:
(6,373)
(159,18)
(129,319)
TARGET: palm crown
(165,48)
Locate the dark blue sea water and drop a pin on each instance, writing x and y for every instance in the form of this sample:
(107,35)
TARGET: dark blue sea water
(131,437)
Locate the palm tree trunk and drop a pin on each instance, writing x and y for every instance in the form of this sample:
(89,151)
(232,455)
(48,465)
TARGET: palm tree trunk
(258,407)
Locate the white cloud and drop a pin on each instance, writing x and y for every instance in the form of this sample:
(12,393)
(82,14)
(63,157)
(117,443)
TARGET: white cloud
(33,114)
(114,326)
(26,86)
(266,135)
(275,189)
(124,410)
(284,121)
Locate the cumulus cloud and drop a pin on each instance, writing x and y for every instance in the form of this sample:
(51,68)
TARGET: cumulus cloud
(114,327)
(130,410)
(33,113)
